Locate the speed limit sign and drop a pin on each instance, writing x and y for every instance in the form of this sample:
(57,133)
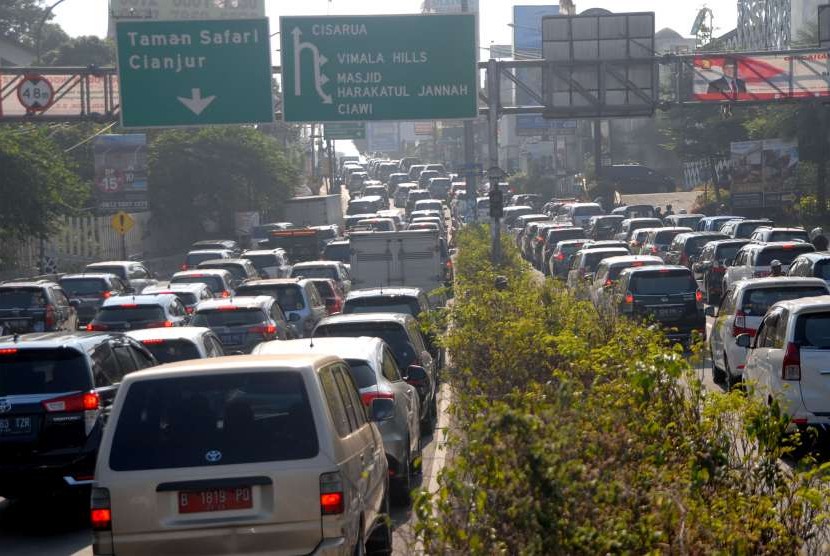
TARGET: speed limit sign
(35,93)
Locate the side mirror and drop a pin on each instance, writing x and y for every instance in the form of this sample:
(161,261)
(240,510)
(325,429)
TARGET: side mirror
(417,376)
(293,317)
(382,410)
(744,341)
(711,311)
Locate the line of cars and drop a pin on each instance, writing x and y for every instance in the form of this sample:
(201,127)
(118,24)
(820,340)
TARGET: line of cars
(305,441)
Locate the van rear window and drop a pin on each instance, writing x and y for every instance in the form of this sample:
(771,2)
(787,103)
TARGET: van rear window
(662,284)
(43,371)
(238,418)
(785,255)
(813,330)
(756,302)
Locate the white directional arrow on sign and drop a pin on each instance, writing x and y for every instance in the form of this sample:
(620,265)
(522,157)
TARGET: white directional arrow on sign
(196,103)
(319,60)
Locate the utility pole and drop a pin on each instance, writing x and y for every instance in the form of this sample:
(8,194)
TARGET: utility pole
(332,186)
(494,172)
(469,151)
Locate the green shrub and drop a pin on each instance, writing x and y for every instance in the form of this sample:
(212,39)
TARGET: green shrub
(579,434)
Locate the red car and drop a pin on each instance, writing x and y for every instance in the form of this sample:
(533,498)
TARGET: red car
(332,294)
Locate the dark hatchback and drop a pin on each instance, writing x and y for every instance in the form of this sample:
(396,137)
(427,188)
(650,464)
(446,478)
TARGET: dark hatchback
(38,306)
(55,391)
(664,294)
(711,266)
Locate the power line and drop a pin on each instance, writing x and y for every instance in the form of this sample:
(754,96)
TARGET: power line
(90,138)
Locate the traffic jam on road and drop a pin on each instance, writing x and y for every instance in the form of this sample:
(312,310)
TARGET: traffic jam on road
(293,367)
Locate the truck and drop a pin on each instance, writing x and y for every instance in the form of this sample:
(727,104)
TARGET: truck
(414,259)
(315,211)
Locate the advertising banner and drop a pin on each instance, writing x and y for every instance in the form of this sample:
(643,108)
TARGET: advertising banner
(761,77)
(121,173)
(764,173)
(72,98)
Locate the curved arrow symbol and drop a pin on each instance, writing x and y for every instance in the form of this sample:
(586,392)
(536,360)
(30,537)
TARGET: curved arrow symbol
(319,61)
(196,103)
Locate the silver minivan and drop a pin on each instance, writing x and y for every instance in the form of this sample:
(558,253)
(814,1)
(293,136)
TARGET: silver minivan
(300,301)
(242,455)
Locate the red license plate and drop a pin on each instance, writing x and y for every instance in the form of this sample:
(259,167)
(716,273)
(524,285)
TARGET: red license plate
(215,500)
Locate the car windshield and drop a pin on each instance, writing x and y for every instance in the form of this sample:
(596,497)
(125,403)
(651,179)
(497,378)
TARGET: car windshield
(130,314)
(193,259)
(745,229)
(392,333)
(315,272)
(235,418)
(20,298)
(793,235)
(813,330)
(79,287)
(289,296)
(119,271)
(784,254)
(43,371)
(756,302)
(172,351)
(386,304)
(215,283)
(362,373)
(236,270)
(224,318)
(340,253)
(662,283)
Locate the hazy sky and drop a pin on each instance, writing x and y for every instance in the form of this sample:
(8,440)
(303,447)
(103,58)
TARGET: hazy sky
(89,17)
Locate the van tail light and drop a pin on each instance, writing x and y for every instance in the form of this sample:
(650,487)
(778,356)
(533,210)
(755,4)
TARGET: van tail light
(608,283)
(183,267)
(226,294)
(163,324)
(367,397)
(106,295)
(49,316)
(100,512)
(559,257)
(791,369)
(85,401)
(331,494)
(629,299)
(267,329)
(739,325)
(96,327)
(699,296)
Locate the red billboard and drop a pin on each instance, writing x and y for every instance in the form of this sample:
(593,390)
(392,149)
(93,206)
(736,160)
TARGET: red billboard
(761,77)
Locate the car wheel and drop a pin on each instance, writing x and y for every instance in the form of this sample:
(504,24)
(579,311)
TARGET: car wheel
(402,484)
(380,543)
(428,423)
(360,546)
(718,375)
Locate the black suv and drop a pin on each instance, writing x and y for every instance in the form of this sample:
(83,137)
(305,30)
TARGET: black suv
(666,294)
(35,306)
(55,394)
(90,291)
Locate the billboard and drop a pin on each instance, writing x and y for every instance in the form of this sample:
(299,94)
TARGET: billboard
(74,96)
(761,77)
(764,173)
(449,6)
(120,173)
(184,9)
(384,137)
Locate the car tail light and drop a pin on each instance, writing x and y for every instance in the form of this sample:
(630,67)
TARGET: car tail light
(85,401)
(128,305)
(106,295)
(228,308)
(152,342)
(699,296)
(266,329)
(559,257)
(629,299)
(163,324)
(183,267)
(739,325)
(331,494)
(100,512)
(189,310)
(654,250)
(608,283)
(93,327)
(791,369)
(8,351)
(49,316)
(367,397)
(226,294)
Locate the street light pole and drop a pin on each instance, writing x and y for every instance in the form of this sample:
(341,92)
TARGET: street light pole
(469,151)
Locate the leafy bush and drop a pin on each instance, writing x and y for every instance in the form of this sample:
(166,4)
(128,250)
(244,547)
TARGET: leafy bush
(578,434)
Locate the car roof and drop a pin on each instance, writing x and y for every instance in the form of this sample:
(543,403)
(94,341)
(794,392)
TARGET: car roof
(781,229)
(400,318)
(642,219)
(97,275)
(372,198)
(209,241)
(53,340)
(339,242)
(363,347)
(192,333)
(657,268)
(772,281)
(241,302)
(805,304)
(815,255)
(207,251)
(243,262)
(628,259)
(384,292)
(273,282)
(694,214)
(263,252)
(616,250)
(678,229)
(203,272)
(112,263)
(28,284)
(224,365)
(774,245)
(117,301)
(312,264)
(189,287)
(730,241)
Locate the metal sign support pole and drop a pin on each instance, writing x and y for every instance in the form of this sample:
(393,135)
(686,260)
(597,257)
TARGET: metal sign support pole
(598,155)
(469,153)
(123,246)
(493,83)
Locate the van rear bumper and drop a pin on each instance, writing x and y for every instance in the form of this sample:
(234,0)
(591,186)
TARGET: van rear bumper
(335,546)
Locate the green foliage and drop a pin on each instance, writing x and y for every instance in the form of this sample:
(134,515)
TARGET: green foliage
(20,22)
(82,51)
(201,179)
(37,183)
(580,434)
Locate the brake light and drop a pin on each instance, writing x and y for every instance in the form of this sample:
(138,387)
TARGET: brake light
(559,257)
(367,397)
(8,351)
(637,264)
(608,283)
(699,296)
(788,246)
(331,494)
(152,342)
(267,329)
(49,316)
(106,295)
(100,512)
(654,250)
(128,306)
(189,310)
(163,324)
(629,299)
(791,369)
(86,401)
(226,294)
(718,269)
(183,267)
(228,308)
(739,325)
(92,327)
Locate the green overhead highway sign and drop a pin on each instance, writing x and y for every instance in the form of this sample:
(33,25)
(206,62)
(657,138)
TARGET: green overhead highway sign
(359,68)
(348,130)
(193,73)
